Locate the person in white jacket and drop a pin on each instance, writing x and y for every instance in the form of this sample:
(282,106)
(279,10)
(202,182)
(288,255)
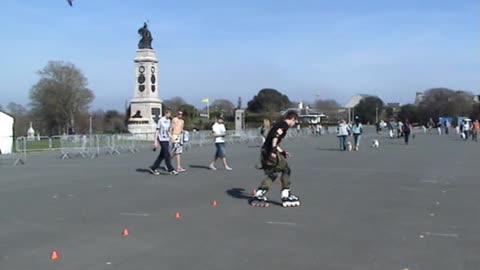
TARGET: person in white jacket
(343,130)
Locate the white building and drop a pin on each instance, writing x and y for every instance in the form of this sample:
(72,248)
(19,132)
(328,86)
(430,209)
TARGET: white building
(6,133)
(352,103)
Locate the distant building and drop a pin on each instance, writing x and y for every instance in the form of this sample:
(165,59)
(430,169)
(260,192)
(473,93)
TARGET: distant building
(395,106)
(353,102)
(6,133)
(476,98)
(305,114)
(419,97)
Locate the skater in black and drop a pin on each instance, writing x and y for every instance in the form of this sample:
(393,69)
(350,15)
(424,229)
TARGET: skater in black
(274,161)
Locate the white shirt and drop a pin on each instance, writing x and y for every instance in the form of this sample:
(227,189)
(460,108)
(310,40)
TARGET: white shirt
(219,129)
(342,129)
(164,129)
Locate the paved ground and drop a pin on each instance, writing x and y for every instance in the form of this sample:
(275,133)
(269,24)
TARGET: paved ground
(396,207)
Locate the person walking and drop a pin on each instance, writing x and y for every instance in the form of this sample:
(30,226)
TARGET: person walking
(342,132)
(177,131)
(219,131)
(264,129)
(475,130)
(162,140)
(357,130)
(407,129)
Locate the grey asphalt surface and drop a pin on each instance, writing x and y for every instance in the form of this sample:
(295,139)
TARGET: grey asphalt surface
(396,207)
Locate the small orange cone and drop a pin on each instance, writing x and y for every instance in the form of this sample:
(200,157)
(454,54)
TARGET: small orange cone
(125,232)
(214,203)
(54,256)
(177,215)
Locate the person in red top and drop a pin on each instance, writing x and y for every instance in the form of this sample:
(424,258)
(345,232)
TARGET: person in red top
(475,130)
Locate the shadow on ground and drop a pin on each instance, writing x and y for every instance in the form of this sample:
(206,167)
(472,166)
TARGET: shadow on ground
(199,167)
(240,193)
(141,170)
(329,149)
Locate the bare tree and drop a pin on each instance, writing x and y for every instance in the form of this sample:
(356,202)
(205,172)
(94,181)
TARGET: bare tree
(326,105)
(440,102)
(174,103)
(222,106)
(22,118)
(60,95)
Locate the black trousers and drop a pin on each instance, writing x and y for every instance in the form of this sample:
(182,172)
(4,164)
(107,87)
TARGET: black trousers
(164,154)
(406,135)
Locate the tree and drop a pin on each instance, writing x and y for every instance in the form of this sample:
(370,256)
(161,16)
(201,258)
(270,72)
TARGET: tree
(189,111)
(440,102)
(367,109)
(268,100)
(409,112)
(475,114)
(16,109)
(174,103)
(22,118)
(60,95)
(224,106)
(328,107)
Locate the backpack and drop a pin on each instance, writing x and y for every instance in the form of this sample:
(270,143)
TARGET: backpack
(185,136)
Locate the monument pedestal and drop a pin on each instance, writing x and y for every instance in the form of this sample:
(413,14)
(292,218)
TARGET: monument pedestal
(146,106)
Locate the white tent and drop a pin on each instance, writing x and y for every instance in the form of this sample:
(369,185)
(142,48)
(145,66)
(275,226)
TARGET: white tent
(6,133)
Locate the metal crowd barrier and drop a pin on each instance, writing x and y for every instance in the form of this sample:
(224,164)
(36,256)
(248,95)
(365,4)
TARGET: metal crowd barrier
(92,146)
(18,154)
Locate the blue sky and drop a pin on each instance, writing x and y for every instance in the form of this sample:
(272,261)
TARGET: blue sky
(227,49)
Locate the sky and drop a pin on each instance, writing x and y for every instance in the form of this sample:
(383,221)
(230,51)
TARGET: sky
(306,49)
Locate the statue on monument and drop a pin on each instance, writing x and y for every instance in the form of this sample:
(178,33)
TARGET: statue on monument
(146,40)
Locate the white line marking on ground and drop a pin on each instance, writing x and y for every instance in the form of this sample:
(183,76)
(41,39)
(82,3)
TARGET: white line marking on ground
(454,235)
(281,223)
(429,181)
(136,214)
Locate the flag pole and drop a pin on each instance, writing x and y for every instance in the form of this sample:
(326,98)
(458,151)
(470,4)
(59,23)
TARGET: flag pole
(208,109)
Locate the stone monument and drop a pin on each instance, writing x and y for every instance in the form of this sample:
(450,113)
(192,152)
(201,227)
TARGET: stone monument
(239,120)
(31,133)
(146,106)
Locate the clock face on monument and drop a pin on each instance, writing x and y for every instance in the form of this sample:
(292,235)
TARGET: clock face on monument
(141,79)
(141,69)
(153,79)
(152,69)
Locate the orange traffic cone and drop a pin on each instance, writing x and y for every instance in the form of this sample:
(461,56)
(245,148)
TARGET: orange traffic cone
(54,256)
(125,232)
(214,203)
(178,216)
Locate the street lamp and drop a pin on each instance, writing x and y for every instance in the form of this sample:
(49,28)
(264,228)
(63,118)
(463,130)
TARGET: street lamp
(90,124)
